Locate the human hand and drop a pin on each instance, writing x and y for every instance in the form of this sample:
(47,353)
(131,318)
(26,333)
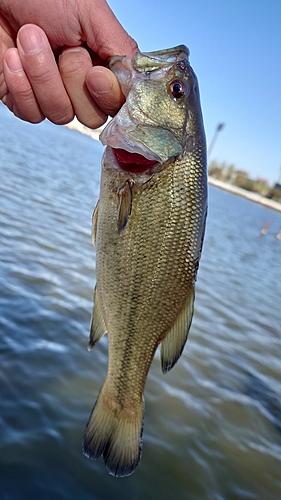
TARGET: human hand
(46,69)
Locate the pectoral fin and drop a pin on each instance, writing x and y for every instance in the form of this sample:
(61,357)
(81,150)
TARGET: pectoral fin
(125,206)
(174,342)
(95,223)
(98,328)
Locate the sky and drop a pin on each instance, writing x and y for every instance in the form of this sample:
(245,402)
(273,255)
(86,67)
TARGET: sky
(235,51)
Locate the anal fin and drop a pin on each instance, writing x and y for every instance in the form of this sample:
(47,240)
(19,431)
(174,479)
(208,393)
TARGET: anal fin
(174,342)
(98,328)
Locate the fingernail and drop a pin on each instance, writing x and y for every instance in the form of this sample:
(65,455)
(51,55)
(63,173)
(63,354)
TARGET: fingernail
(71,49)
(30,40)
(12,59)
(99,81)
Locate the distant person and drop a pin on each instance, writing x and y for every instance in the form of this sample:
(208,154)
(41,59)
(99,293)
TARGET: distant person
(45,61)
(265,228)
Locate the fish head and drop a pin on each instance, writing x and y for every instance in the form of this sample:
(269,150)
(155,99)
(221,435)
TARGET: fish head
(161,118)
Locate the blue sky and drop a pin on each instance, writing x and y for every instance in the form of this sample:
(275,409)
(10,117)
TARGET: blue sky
(235,48)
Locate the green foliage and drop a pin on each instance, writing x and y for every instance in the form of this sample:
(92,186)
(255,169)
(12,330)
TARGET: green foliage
(227,173)
(222,171)
(274,194)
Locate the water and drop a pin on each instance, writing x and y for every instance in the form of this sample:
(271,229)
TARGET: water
(213,424)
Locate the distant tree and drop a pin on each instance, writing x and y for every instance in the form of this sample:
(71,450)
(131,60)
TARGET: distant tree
(222,171)
(274,194)
(229,173)
(215,169)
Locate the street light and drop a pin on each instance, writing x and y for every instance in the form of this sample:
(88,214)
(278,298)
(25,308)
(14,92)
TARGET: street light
(213,141)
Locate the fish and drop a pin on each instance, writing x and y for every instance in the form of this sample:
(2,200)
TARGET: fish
(148,230)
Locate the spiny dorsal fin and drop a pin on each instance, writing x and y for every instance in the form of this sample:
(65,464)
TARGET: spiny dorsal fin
(173,344)
(125,206)
(95,223)
(98,328)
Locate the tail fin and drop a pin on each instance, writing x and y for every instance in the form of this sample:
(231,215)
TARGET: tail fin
(115,433)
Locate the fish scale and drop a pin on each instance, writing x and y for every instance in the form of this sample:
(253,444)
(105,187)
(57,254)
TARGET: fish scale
(148,230)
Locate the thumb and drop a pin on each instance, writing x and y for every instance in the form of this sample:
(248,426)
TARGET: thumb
(102,31)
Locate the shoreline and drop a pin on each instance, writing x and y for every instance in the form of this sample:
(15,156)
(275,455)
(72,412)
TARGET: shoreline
(255,197)
(76,125)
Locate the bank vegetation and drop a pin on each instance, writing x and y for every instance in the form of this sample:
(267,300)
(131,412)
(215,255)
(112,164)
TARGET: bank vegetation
(226,172)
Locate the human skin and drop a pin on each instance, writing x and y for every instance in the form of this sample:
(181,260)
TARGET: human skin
(53,55)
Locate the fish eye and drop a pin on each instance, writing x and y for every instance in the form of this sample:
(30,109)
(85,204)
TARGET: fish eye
(177,89)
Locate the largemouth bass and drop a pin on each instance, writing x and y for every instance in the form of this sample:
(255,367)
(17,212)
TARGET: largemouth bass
(148,228)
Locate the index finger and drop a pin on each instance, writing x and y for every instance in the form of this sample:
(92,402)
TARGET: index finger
(103,32)
(6,43)
(41,69)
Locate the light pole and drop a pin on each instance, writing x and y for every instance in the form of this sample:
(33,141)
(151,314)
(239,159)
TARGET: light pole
(213,141)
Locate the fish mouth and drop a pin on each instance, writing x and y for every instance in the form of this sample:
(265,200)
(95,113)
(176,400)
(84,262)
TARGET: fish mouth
(137,141)
(131,155)
(133,163)
(138,148)
(120,133)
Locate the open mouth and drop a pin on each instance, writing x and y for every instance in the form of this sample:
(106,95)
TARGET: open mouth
(133,163)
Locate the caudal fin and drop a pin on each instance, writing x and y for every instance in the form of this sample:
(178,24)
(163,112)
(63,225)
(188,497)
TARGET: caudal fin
(115,433)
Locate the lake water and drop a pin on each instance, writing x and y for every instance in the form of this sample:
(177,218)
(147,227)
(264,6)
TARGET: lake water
(212,424)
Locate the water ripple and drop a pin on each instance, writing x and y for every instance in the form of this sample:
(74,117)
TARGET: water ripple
(212,424)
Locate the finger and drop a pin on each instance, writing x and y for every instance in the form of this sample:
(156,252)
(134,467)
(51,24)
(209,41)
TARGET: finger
(104,33)
(7,37)
(74,63)
(105,89)
(41,69)
(20,98)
